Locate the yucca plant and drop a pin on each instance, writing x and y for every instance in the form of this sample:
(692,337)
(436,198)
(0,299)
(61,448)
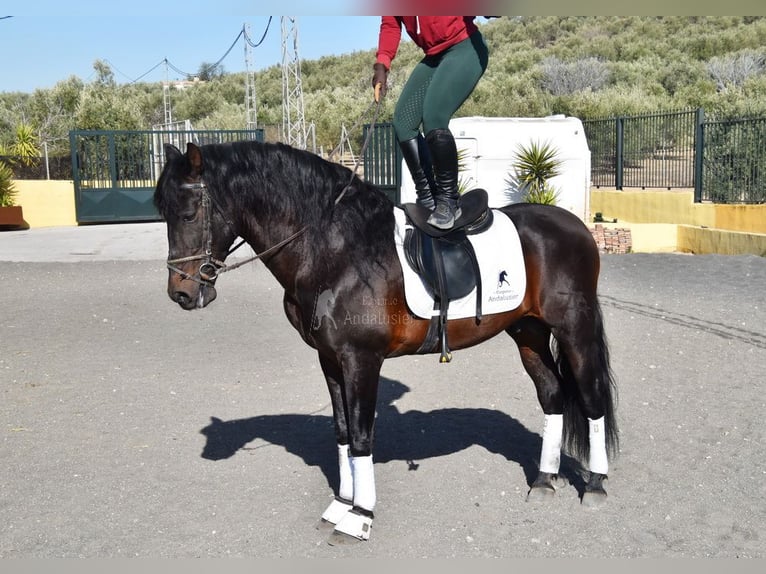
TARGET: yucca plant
(25,146)
(535,165)
(7,187)
(463,182)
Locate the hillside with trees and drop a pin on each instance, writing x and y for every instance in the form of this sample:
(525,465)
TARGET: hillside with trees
(581,66)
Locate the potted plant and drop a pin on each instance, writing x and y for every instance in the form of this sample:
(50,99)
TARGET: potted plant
(11,216)
(25,149)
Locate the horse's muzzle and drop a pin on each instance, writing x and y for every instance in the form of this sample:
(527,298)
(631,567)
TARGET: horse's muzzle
(193,298)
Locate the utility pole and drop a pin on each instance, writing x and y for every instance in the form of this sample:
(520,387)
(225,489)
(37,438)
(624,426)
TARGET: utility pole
(166,98)
(293,120)
(250,104)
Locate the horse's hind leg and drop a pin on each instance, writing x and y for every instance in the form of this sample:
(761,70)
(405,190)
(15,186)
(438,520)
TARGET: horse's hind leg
(533,340)
(590,426)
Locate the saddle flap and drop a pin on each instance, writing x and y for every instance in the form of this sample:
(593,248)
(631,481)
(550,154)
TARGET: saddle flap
(454,253)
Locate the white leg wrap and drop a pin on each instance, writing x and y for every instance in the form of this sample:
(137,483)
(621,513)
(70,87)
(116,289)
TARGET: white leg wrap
(356,525)
(550,456)
(346,489)
(364,482)
(336,511)
(598,460)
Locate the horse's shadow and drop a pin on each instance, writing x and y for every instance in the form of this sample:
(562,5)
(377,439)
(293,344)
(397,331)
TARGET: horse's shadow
(411,436)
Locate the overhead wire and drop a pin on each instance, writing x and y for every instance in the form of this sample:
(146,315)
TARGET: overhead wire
(210,67)
(263,37)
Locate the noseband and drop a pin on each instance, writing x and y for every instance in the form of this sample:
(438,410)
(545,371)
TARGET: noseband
(211,268)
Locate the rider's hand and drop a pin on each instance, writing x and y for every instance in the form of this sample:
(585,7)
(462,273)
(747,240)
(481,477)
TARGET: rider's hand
(379,77)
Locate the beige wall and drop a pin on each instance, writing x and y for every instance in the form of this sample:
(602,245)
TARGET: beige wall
(698,228)
(676,207)
(46,203)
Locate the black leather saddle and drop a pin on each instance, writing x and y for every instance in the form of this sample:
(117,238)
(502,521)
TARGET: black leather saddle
(446,262)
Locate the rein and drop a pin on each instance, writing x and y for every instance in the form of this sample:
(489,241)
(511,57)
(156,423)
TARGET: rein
(211,268)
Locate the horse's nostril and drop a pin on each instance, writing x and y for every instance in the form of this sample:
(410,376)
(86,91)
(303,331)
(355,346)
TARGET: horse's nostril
(182,298)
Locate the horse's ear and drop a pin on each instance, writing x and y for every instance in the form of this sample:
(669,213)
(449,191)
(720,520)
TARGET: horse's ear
(172,152)
(194,155)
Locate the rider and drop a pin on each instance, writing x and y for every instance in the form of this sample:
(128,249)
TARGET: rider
(455,59)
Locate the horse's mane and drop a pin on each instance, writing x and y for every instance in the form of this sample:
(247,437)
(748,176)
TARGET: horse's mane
(279,183)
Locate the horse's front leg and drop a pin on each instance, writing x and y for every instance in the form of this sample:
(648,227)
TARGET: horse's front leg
(344,499)
(354,390)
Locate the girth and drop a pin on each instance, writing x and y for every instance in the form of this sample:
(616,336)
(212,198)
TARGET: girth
(446,262)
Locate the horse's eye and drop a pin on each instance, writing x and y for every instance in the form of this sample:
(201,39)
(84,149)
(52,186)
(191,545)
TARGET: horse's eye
(189,217)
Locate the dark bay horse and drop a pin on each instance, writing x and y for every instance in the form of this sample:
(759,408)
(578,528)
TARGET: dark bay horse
(328,239)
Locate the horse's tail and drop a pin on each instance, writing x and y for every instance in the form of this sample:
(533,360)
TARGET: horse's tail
(576,428)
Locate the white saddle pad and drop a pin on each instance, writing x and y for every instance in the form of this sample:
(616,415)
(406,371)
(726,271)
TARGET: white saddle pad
(501,263)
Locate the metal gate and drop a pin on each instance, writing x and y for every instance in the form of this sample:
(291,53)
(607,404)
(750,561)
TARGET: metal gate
(115,172)
(383,160)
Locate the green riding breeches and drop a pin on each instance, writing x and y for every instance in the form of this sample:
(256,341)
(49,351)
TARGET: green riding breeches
(438,86)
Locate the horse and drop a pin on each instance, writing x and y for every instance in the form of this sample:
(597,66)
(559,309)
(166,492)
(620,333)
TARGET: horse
(327,237)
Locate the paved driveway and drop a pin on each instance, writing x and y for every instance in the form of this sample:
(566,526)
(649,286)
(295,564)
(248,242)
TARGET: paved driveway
(131,428)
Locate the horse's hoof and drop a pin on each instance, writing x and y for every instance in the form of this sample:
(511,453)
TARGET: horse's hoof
(595,494)
(334,513)
(353,527)
(543,488)
(560,482)
(342,539)
(541,493)
(324,525)
(594,498)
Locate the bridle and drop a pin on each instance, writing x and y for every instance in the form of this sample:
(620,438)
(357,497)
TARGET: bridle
(211,268)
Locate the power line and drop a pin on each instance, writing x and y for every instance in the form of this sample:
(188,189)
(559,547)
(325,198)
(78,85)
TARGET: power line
(211,67)
(263,37)
(157,65)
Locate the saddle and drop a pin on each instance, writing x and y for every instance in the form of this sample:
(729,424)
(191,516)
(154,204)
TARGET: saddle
(446,262)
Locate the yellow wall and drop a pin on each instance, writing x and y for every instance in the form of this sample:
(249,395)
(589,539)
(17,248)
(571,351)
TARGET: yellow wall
(676,207)
(692,239)
(699,228)
(46,203)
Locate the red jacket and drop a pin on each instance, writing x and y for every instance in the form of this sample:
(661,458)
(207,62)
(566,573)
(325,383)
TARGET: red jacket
(433,34)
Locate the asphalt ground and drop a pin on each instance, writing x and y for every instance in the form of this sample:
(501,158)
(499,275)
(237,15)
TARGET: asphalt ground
(131,428)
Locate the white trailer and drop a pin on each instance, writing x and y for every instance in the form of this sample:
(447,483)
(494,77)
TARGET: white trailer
(491,146)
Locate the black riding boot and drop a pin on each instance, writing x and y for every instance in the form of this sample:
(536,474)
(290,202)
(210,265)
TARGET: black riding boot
(415,155)
(443,150)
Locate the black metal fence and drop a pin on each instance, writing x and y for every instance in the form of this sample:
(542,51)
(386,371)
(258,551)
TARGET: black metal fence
(650,150)
(724,161)
(734,161)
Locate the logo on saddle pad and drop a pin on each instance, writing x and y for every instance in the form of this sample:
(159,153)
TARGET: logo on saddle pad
(501,278)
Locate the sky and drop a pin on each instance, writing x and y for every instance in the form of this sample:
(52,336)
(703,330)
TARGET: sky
(42,49)
(47,41)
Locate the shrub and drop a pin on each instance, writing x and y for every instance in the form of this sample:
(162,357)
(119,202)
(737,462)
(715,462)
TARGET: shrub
(534,167)
(7,187)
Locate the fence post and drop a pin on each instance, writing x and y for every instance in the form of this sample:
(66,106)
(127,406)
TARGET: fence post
(699,151)
(620,135)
